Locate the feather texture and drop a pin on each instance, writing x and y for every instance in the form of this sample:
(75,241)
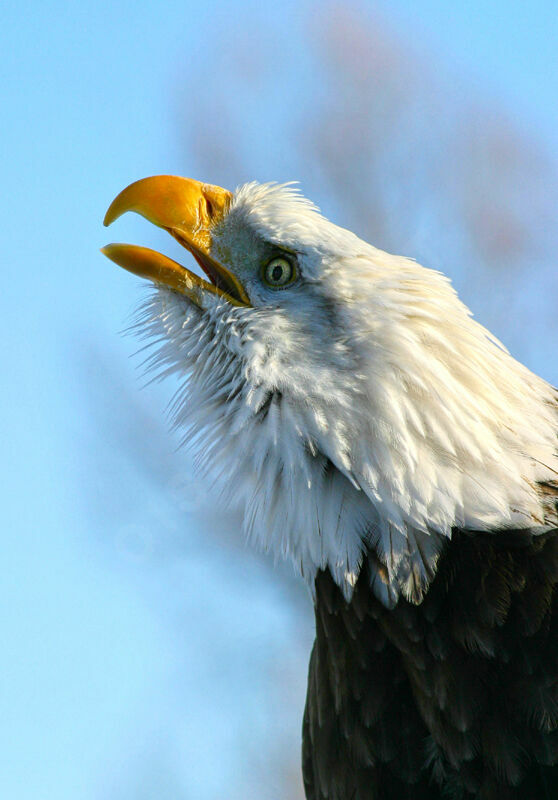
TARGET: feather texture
(363,409)
(454,698)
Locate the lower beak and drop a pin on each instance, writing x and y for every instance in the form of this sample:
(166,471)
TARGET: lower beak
(189,211)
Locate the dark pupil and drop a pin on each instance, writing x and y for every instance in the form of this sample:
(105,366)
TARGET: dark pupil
(277,273)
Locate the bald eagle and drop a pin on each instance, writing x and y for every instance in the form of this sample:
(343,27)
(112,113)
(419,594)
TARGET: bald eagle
(387,444)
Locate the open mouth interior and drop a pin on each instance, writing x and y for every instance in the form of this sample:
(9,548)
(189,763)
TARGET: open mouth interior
(221,278)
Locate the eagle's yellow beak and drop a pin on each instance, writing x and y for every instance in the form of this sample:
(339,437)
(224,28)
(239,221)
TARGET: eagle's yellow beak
(189,211)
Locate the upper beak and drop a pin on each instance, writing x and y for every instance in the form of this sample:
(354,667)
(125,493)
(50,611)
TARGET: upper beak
(189,211)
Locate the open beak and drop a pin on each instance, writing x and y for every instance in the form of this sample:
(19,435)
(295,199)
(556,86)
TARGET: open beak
(189,211)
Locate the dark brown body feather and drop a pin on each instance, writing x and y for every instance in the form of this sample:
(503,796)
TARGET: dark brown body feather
(454,698)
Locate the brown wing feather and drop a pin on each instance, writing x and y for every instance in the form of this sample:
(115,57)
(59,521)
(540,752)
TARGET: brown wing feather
(455,697)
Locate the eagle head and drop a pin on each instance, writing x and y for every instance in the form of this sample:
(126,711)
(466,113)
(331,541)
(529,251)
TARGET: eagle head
(342,397)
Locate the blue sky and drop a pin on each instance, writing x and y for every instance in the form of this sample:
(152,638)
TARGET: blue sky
(105,651)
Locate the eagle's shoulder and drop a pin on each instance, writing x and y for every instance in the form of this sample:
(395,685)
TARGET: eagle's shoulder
(467,679)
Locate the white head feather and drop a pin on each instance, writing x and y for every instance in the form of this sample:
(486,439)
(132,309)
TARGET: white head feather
(361,410)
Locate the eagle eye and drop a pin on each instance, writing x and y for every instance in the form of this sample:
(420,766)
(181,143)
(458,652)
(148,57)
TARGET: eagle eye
(278,273)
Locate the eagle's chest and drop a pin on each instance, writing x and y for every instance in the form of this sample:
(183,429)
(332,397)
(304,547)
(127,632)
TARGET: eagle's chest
(460,691)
